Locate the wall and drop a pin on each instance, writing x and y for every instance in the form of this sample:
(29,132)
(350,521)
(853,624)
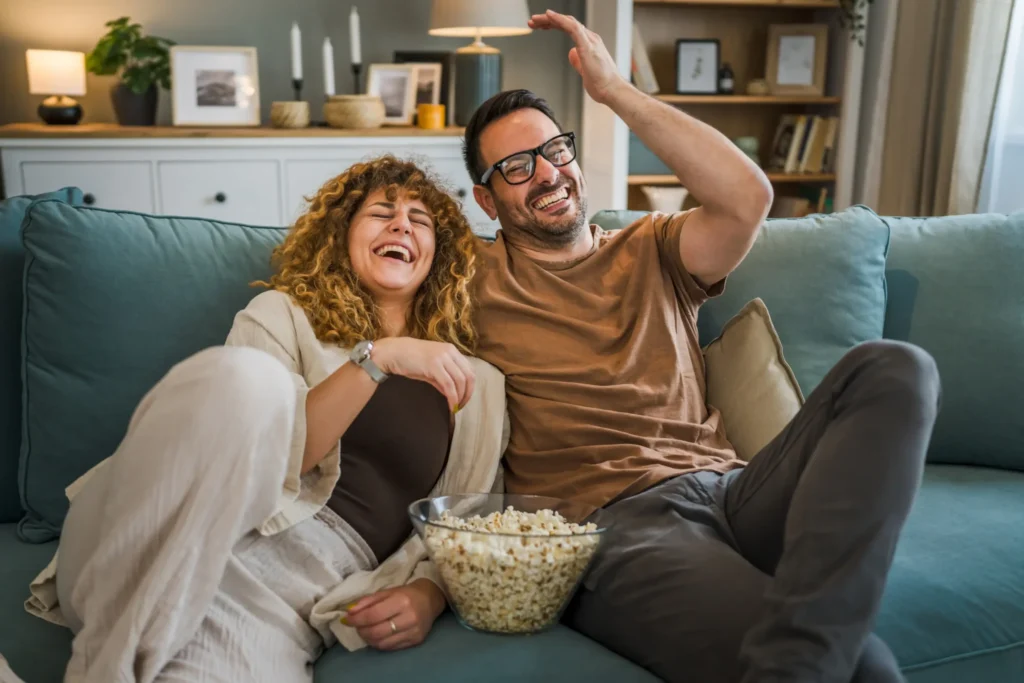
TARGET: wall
(536,61)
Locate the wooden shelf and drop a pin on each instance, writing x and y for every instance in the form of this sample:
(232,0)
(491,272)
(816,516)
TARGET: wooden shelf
(806,4)
(105,130)
(749,99)
(772,176)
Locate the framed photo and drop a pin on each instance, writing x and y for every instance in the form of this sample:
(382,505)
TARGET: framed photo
(447,62)
(395,84)
(214,86)
(797,56)
(697,62)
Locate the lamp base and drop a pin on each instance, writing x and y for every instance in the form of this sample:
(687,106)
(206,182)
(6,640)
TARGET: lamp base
(60,111)
(477,79)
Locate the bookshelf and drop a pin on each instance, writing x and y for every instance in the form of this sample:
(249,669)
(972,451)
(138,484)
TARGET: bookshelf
(728,100)
(777,178)
(741,27)
(803,4)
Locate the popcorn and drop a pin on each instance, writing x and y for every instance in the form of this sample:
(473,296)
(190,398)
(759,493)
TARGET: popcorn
(512,583)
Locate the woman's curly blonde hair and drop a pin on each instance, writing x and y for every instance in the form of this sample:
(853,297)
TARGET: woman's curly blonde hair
(314,269)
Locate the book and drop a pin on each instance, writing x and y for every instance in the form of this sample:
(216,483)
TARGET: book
(796,145)
(811,161)
(828,155)
(643,72)
(782,142)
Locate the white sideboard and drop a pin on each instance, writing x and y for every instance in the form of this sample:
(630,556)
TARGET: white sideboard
(252,176)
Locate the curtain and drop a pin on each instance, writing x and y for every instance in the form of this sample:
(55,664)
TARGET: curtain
(1004,161)
(933,81)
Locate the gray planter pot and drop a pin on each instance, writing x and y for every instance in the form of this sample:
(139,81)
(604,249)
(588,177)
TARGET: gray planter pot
(132,109)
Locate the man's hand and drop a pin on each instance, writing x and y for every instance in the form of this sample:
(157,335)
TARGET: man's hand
(590,57)
(411,608)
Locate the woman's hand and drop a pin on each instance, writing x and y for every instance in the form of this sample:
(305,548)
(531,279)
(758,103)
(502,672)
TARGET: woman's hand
(411,608)
(436,363)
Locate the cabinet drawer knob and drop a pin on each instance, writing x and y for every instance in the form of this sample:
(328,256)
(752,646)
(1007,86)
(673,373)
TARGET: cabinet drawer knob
(220,197)
(89,198)
(461,193)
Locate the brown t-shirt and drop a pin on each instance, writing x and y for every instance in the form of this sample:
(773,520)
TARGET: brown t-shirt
(604,371)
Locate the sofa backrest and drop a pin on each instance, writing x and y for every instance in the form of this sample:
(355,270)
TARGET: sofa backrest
(956,288)
(113,299)
(12,263)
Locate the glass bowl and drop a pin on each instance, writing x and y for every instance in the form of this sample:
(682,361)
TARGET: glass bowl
(505,582)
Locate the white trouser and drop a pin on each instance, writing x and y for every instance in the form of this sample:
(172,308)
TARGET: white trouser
(161,573)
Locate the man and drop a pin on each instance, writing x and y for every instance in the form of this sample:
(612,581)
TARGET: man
(714,571)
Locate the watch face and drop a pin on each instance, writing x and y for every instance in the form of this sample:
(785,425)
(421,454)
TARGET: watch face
(361,352)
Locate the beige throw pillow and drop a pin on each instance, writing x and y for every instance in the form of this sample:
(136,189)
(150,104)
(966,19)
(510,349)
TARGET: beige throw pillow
(750,382)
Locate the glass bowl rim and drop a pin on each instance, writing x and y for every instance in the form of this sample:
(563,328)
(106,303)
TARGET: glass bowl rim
(417,517)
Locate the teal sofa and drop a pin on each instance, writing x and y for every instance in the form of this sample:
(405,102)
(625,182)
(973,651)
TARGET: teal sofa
(95,305)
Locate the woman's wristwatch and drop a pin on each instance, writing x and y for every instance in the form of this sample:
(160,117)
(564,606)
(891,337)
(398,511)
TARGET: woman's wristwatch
(360,355)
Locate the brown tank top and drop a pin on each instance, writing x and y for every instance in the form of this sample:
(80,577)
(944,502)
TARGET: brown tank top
(392,454)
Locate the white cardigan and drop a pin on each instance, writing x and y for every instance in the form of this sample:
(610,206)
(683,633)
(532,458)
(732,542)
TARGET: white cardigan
(272,322)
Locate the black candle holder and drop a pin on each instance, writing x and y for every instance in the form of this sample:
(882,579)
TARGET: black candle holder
(357,69)
(297,85)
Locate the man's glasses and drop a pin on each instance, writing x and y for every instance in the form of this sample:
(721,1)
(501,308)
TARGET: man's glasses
(518,168)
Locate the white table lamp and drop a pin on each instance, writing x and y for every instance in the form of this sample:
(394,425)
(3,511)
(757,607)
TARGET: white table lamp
(57,74)
(478,65)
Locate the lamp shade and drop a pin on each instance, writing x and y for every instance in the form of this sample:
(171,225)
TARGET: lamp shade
(484,18)
(55,72)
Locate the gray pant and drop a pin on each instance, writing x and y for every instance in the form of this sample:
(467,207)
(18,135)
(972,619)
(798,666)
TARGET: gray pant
(775,572)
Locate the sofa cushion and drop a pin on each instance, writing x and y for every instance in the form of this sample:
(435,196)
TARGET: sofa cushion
(112,301)
(954,604)
(37,650)
(822,277)
(453,653)
(750,382)
(12,266)
(956,288)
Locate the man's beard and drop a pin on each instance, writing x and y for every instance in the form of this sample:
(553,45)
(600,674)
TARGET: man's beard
(520,221)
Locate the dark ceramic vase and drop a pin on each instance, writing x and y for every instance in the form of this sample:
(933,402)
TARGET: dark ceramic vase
(132,109)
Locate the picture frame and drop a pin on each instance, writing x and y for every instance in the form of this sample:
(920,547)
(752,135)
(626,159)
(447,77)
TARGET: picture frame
(395,84)
(214,86)
(797,59)
(697,64)
(427,84)
(447,62)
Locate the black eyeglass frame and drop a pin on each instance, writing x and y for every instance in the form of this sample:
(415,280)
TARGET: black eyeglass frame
(534,153)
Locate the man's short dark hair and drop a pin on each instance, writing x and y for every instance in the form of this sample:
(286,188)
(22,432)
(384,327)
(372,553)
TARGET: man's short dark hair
(500,105)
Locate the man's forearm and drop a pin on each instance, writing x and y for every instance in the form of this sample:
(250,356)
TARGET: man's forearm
(723,179)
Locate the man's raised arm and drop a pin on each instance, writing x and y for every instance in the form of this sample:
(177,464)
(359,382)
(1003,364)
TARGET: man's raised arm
(734,194)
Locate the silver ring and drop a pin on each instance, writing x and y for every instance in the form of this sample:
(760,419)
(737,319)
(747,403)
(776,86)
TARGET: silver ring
(394,629)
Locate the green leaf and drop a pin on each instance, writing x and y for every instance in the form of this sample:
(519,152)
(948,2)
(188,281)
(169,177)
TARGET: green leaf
(142,60)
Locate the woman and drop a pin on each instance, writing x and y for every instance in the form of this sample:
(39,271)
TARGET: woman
(219,542)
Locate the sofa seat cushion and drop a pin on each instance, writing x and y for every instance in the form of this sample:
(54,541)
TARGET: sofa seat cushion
(453,653)
(12,268)
(954,604)
(112,301)
(956,288)
(37,650)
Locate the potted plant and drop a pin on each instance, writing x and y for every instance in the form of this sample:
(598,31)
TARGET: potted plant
(144,64)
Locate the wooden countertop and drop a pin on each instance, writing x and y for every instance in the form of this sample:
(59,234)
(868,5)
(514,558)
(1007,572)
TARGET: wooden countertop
(112,131)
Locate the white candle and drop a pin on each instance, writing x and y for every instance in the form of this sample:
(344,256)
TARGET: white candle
(328,67)
(353,31)
(296,52)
